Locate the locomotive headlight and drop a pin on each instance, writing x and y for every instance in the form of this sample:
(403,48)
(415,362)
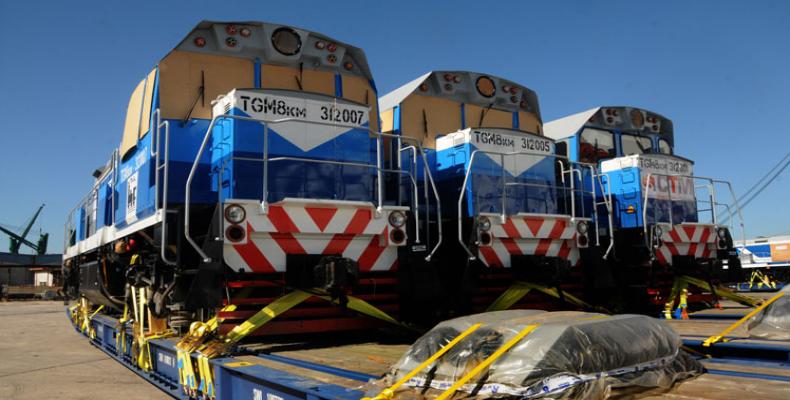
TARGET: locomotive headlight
(658,231)
(484,224)
(722,232)
(397,219)
(235,213)
(582,227)
(286,41)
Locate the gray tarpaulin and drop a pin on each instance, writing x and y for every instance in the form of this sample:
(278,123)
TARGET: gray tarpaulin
(774,321)
(569,355)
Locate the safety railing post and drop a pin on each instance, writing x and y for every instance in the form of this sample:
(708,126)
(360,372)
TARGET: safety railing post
(671,206)
(265,199)
(644,205)
(503,216)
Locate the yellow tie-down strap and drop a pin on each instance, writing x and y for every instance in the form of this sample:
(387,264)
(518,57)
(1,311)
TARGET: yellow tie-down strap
(282,304)
(487,362)
(717,338)
(721,291)
(209,347)
(201,338)
(120,339)
(520,289)
(86,317)
(199,332)
(389,393)
(363,307)
(144,359)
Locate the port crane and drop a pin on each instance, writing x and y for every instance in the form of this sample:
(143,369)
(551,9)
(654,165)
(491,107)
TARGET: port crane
(19,239)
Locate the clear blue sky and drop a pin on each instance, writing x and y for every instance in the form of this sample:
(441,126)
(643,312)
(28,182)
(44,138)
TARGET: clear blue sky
(719,69)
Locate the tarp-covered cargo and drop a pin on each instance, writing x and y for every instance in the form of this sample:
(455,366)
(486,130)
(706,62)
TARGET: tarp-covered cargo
(568,355)
(774,321)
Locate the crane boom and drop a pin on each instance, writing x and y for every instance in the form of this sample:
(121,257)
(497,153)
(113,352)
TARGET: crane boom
(17,240)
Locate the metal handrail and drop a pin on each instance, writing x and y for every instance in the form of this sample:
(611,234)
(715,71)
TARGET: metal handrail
(416,199)
(378,167)
(70,219)
(712,189)
(504,211)
(607,196)
(330,162)
(717,204)
(165,166)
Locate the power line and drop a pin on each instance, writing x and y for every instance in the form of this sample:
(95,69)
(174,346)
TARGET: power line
(756,184)
(762,184)
(757,193)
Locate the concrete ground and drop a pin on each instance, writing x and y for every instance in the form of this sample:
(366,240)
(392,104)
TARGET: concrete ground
(42,357)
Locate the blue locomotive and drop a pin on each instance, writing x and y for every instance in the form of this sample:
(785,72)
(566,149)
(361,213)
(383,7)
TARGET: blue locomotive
(251,164)
(501,186)
(665,220)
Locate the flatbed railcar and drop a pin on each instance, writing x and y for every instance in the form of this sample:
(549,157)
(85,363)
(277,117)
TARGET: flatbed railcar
(332,368)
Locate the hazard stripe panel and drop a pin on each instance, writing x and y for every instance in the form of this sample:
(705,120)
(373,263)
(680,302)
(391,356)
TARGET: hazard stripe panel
(533,227)
(688,239)
(302,228)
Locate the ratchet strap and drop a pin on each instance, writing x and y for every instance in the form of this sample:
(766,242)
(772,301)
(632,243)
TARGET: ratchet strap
(720,337)
(206,378)
(203,339)
(87,323)
(81,317)
(144,359)
(363,307)
(519,289)
(120,339)
(220,345)
(198,334)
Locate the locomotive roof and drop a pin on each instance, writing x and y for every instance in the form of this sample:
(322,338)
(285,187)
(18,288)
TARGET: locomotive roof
(398,95)
(568,126)
(257,45)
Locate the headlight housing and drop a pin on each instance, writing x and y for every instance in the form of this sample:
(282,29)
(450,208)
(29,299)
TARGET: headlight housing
(484,224)
(582,227)
(397,219)
(722,232)
(658,230)
(235,213)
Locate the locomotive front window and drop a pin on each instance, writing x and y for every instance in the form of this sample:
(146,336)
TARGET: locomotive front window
(664,147)
(633,144)
(595,145)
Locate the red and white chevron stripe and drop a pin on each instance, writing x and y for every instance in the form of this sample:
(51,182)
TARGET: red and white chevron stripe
(299,227)
(551,236)
(687,239)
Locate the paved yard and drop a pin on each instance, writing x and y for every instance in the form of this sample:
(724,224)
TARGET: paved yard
(42,357)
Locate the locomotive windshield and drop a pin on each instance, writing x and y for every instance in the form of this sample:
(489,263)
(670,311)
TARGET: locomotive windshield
(664,147)
(595,145)
(633,144)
